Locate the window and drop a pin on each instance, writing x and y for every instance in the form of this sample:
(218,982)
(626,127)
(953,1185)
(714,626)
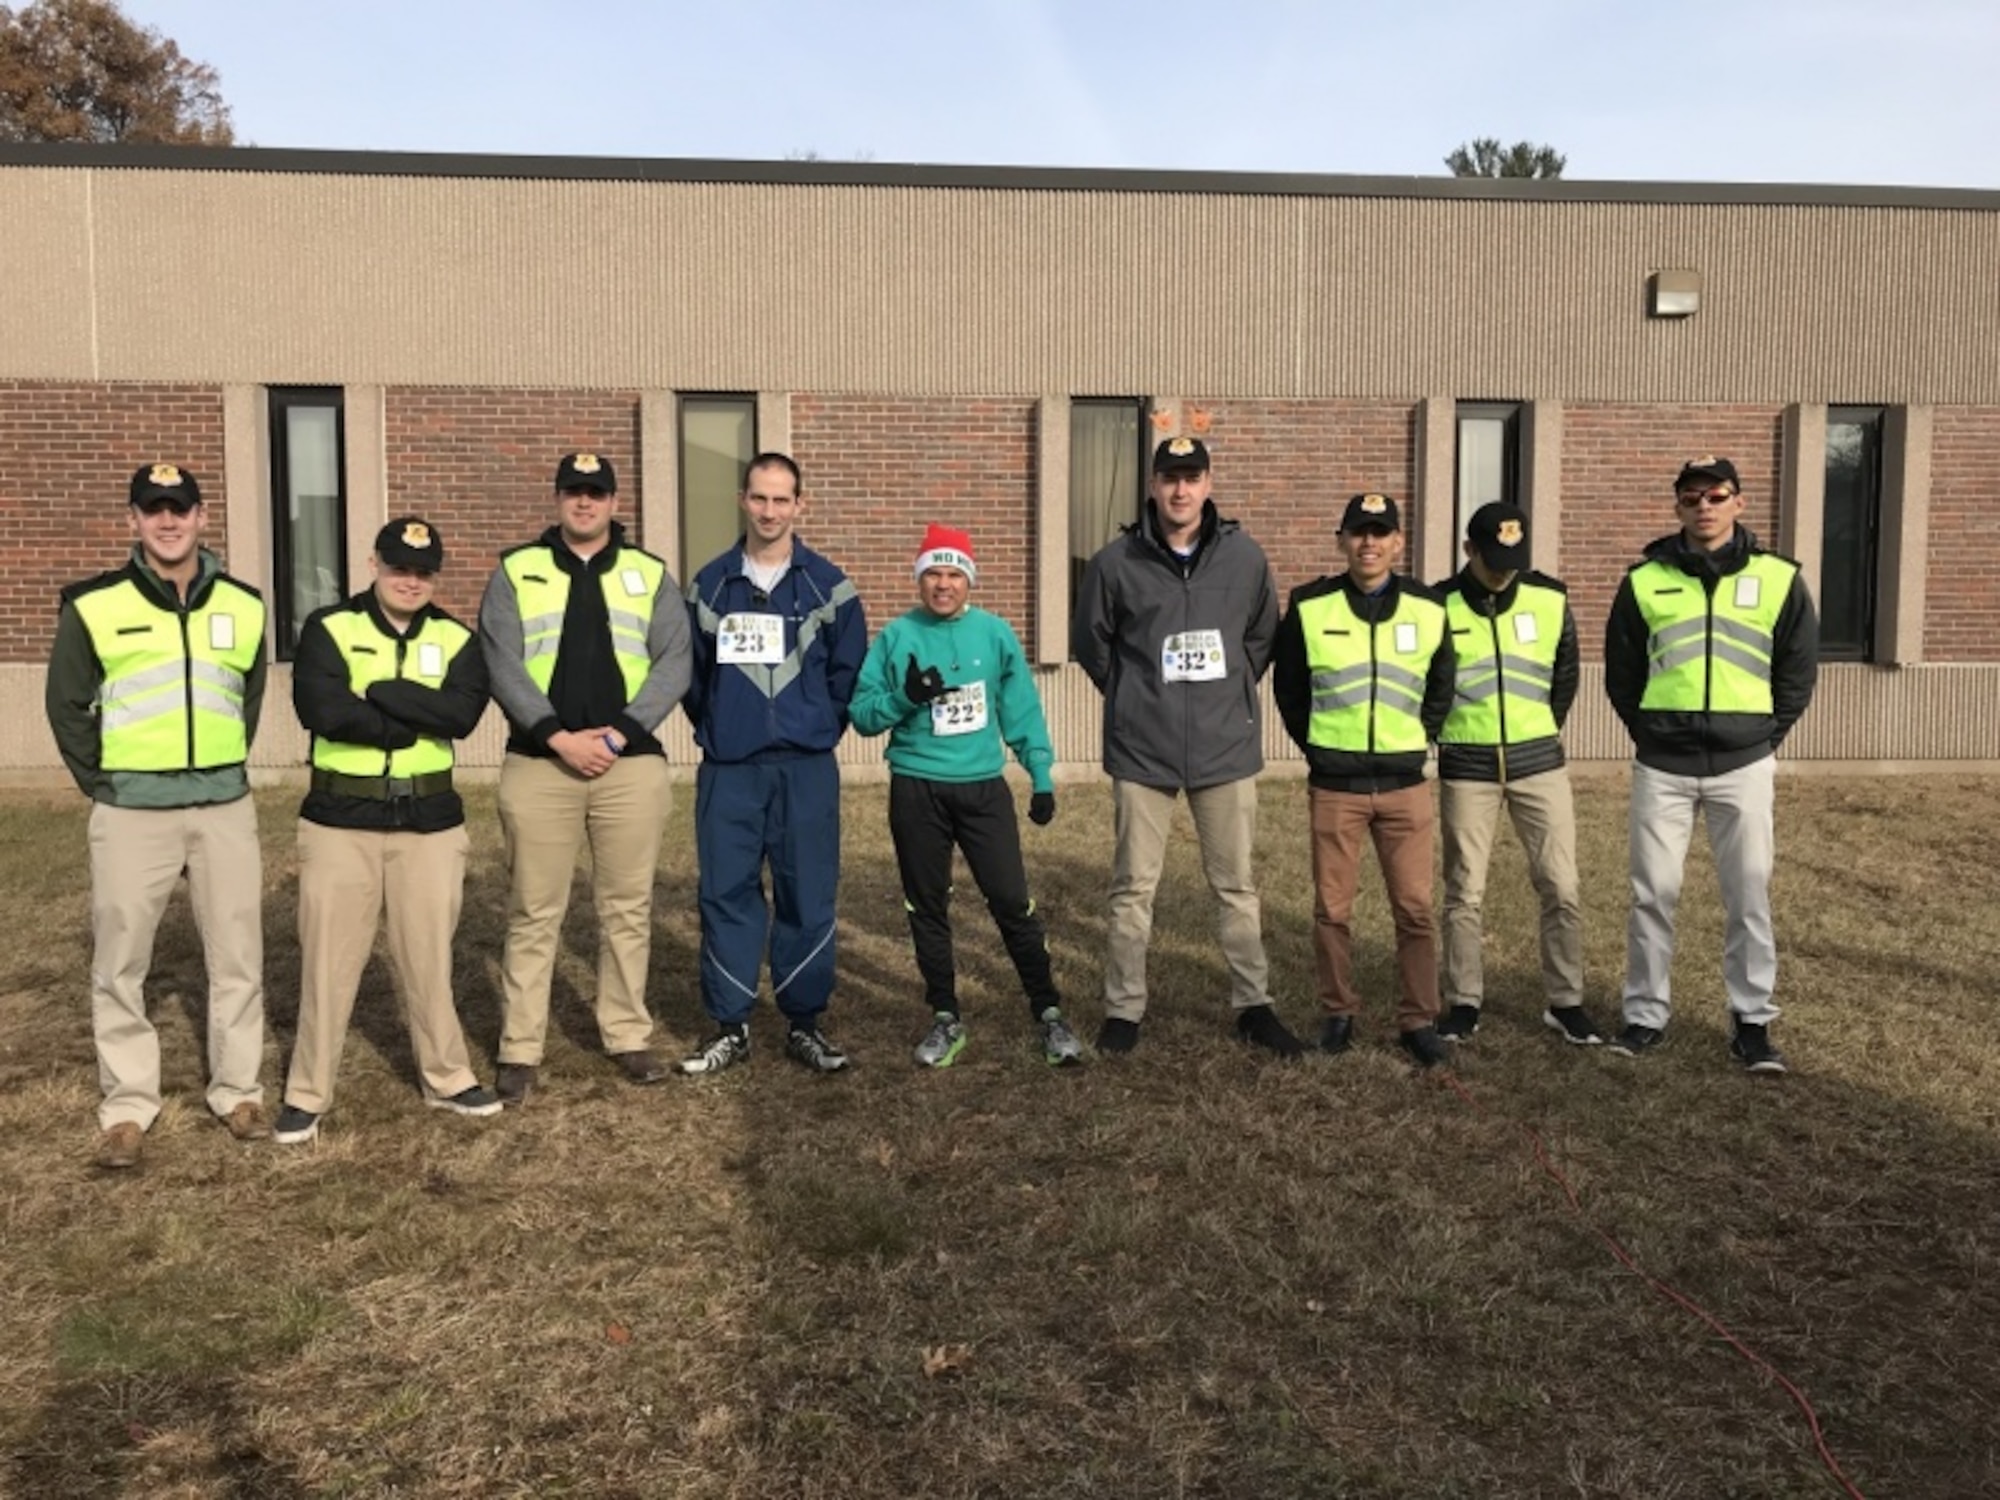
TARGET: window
(309,509)
(718,439)
(1107,459)
(1489,458)
(1851,533)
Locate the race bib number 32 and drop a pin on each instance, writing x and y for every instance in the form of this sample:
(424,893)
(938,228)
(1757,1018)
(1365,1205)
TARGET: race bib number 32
(748,639)
(1193,656)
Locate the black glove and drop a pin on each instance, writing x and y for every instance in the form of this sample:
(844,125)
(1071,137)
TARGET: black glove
(1042,809)
(924,686)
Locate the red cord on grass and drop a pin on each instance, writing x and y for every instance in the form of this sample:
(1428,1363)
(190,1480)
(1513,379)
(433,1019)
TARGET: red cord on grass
(1681,1299)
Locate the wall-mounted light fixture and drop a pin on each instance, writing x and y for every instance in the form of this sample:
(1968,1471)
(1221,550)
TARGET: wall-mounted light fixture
(1674,294)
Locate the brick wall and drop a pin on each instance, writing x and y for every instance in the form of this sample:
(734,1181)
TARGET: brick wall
(1962,579)
(878,469)
(1285,469)
(1618,470)
(480,463)
(67,453)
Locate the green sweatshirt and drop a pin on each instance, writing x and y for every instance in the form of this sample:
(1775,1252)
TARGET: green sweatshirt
(975,652)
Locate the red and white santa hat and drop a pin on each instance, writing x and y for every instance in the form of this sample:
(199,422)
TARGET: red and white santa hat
(946,548)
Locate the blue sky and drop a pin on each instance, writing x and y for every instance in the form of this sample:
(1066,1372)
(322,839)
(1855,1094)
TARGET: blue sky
(1836,91)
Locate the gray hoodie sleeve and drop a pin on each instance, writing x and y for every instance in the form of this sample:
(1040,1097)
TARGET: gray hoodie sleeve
(527,707)
(673,660)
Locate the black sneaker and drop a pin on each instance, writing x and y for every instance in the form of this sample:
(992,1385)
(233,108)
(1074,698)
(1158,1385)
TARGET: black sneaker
(810,1047)
(476,1103)
(513,1082)
(1574,1025)
(1259,1025)
(1117,1035)
(727,1048)
(294,1126)
(1336,1033)
(1635,1040)
(1459,1023)
(1425,1046)
(1750,1044)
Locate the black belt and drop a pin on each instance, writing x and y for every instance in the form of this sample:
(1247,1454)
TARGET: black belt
(382,788)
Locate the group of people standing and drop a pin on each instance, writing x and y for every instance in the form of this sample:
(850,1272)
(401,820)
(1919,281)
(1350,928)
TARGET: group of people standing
(587,643)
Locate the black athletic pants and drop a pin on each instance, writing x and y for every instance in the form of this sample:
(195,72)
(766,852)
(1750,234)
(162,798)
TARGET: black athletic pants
(927,819)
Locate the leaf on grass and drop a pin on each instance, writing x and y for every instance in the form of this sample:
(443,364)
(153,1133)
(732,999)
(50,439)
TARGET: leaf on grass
(618,1333)
(1314,1305)
(945,1359)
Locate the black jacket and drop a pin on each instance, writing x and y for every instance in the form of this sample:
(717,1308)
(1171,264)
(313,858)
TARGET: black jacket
(1524,758)
(390,717)
(1706,743)
(1291,687)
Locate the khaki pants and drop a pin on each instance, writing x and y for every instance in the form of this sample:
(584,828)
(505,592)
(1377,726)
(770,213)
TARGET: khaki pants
(549,814)
(1399,823)
(1544,816)
(347,878)
(137,856)
(1225,825)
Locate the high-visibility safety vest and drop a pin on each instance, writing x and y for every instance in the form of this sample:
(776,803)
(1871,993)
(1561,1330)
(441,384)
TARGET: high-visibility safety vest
(1506,668)
(1711,652)
(172,694)
(1368,680)
(541,594)
(423,656)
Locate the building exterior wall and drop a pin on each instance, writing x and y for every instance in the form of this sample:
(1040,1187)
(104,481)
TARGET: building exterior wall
(1962,585)
(67,452)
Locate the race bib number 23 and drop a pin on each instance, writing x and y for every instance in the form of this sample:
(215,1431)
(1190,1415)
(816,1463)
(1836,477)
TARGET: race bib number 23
(751,640)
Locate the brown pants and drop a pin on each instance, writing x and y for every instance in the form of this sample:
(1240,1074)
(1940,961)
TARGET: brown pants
(1400,825)
(347,878)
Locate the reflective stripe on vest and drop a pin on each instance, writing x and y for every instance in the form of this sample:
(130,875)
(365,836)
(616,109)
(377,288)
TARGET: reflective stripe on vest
(373,657)
(1711,652)
(541,595)
(1368,682)
(1504,681)
(172,694)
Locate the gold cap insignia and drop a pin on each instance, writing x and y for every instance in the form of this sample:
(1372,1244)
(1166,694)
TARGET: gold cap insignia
(416,534)
(1508,533)
(1374,504)
(1181,447)
(585,463)
(164,474)
(1706,461)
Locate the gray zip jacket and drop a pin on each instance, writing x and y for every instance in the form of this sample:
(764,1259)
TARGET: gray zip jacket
(1196,732)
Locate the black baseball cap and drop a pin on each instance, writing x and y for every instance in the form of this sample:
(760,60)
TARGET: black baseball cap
(1181,455)
(410,542)
(164,482)
(1499,534)
(1704,471)
(586,471)
(1371,512)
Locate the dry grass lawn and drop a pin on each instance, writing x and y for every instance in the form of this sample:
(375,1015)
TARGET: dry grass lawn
(1190,1272)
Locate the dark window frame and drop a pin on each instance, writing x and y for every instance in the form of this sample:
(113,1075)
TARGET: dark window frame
(1513,483)
(285,621)
(1141,409)
(682,400)
(1867,570)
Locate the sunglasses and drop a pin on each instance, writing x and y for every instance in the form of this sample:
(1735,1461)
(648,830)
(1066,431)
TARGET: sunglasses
(180,505)
(1693,498)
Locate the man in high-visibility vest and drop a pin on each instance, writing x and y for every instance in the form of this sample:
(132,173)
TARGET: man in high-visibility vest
(155,683)
(1362,675)
(385,681)
(1501,747)
(586,646)
(1710,657)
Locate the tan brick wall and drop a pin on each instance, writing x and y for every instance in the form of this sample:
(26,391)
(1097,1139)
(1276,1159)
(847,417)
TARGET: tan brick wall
(1962,579)
(1285,469)
(1618,470)
(878,469)
(66,457)
(480,463)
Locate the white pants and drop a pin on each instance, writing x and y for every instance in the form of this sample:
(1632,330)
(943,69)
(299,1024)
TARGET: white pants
(1738,809)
